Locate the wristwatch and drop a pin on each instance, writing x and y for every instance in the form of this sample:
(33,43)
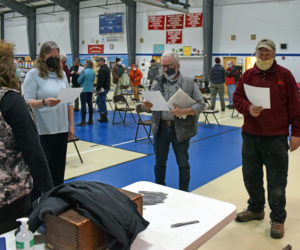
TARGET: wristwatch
(44,103)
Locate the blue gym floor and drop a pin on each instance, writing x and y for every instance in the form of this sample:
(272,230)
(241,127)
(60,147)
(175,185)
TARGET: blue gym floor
(214,151)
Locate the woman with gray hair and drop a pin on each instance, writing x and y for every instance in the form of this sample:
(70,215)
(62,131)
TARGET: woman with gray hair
(86,80)
(54,119)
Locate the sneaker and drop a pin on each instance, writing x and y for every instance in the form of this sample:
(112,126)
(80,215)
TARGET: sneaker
(247,215)
(81,124)
(277,230)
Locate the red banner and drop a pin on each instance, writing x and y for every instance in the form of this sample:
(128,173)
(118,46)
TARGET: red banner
(193,20)
(156,22)
(96,49)
(174,22)
(174,36)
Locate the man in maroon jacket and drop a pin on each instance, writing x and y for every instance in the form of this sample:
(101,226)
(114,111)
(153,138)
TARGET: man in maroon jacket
(265,133)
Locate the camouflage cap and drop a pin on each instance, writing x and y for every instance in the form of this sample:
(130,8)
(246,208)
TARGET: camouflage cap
(266,43)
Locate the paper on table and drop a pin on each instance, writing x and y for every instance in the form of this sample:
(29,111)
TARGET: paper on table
(181,99)
(67,95)
(158,101)
(258,96)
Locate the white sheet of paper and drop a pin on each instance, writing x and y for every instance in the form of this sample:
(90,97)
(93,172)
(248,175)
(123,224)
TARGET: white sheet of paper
(181,99)
(158,101)
(258,96)
(67,95)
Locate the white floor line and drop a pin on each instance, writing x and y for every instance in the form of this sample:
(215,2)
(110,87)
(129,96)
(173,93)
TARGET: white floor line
(96,149)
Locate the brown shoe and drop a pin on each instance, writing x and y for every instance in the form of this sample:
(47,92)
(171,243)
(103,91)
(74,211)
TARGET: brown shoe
(247,215)
(277,230)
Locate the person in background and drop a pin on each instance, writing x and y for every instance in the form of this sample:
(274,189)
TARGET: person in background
(265,133)
(154,71)
(117,71)
(232,75)
(135,76)
(86,80)
(217,80)
(74,73)
(23,165)
(119,78)
(63,59)
(54,119)
(168,127)
(103,86)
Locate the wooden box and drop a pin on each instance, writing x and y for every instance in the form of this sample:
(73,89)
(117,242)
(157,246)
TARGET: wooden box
(72,231)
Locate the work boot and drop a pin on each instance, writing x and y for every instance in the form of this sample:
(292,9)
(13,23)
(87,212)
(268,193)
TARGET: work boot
(83,123)
(277,230)
(90,122)
(223,109)
(247,215)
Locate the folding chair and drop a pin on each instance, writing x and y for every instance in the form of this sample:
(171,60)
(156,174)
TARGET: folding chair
(125,90)
(206,101)
(109,102)
(74,140)
(144,123)
(210,112)
(121,105)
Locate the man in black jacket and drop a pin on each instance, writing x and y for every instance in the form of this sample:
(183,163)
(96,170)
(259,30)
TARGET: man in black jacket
(74,73)
(103,86)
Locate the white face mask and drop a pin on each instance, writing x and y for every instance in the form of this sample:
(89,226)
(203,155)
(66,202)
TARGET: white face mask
(264,65)
(134,69)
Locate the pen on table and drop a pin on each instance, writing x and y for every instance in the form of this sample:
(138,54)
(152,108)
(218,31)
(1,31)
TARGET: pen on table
(180,224)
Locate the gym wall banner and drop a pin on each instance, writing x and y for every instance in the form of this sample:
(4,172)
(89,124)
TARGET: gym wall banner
(96,49)
(156,22)
(193,20)
(111,23)
(174,37)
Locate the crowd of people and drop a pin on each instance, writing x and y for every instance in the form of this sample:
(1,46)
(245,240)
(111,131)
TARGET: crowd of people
(34,162)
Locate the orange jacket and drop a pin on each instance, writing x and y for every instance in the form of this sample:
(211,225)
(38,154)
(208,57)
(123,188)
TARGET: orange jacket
(135,76)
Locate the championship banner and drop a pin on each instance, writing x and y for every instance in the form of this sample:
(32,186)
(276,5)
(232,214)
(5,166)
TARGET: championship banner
(156,22)
(193,20)
(174,22)
(174,37)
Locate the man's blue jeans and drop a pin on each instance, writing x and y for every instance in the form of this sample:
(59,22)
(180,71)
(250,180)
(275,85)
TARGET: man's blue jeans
(231,89)
(165,136)
(101,102)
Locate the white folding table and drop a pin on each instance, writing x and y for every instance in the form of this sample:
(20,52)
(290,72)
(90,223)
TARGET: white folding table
(179,206)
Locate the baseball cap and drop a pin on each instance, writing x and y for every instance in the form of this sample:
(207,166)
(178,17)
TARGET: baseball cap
(266,43)
(100,59)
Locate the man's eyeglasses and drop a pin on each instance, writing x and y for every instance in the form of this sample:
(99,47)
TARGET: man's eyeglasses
(168,65)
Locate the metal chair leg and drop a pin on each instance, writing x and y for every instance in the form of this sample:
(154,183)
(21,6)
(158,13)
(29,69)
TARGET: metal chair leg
(78,152)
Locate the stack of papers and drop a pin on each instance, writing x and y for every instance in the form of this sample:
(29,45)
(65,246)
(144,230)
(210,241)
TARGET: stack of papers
(180,98)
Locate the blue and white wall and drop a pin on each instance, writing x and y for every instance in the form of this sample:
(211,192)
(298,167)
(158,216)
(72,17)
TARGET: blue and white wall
(277,20)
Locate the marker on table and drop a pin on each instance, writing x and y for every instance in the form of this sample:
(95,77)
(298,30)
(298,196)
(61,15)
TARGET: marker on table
(180,224)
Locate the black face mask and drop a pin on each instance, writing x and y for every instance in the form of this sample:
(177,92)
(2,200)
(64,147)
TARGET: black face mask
(52,62)
(170,71)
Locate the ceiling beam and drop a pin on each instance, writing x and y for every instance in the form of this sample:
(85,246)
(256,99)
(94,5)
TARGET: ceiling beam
(67,4)
(19,7)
